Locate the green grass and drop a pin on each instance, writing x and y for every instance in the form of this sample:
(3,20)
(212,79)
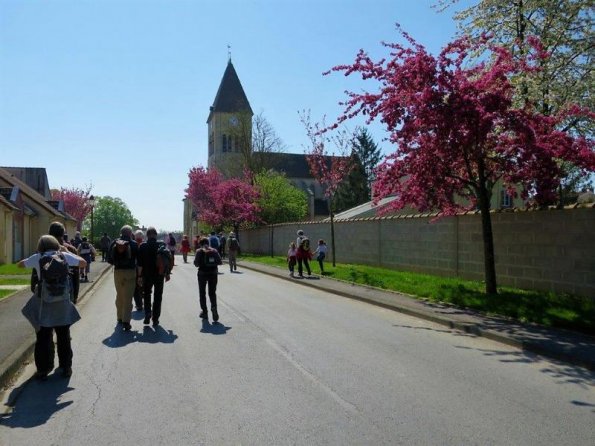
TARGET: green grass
(12,269)
(14,281)
(545,308)
(6,293)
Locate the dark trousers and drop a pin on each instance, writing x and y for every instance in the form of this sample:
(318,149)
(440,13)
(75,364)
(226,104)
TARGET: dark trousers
(44,348)
(138,296)
(209,279)
(76,282)
(306,263)
(150,282)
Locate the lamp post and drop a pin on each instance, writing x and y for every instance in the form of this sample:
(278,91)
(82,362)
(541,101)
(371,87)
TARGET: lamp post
(92,204)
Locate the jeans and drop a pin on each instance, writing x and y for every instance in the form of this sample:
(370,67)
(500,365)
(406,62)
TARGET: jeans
(44,348)
(209,279)
(150,283)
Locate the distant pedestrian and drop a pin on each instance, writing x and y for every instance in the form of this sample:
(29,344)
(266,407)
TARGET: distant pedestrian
(207,259)
(50,308)
(291,258)
(77,240)
(214,241)
(122,254)
(139,238)
(185,247)
(87,252)
(304,255)
(233,251)
(195,243)
(171,245)
(222,243)
(151,275)
(320,254)
(104,245)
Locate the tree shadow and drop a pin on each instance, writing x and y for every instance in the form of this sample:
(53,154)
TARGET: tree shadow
(215,328)
(34,402)
(153,335)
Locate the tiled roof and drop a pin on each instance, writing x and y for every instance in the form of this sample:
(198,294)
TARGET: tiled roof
(230,97)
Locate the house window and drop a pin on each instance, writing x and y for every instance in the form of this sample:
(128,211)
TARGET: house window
(505,199)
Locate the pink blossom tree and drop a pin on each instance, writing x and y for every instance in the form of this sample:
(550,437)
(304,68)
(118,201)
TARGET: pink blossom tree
(329,169)
(457,133)
(221,202)
(76,202)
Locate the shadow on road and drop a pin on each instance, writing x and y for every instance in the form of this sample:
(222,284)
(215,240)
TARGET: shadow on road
(34,402)
(153,335)
(215,328)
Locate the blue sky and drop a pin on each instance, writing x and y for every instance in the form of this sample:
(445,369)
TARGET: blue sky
(116,93)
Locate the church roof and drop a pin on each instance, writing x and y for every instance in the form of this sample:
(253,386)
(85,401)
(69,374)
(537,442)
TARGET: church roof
(230,97)
(293,165)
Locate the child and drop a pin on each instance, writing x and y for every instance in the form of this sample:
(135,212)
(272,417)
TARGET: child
(321,254)
(291,257)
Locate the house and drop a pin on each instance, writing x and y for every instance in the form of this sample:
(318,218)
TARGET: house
(26,211)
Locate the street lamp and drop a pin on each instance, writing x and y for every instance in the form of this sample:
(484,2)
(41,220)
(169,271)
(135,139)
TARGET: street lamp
(92,204)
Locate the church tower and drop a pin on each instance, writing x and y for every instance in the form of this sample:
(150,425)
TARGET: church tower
(229,125)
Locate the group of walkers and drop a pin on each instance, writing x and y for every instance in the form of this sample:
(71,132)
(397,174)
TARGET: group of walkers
(141,268)
(300,253)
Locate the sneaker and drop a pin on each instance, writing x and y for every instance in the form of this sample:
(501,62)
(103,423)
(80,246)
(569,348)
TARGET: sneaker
(215,315)
(67,372)
(203,315)
(126,326)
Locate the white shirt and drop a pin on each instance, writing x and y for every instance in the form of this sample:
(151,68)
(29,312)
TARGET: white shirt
(33,261)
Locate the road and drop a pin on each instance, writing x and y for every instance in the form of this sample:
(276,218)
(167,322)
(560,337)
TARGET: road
(289,364)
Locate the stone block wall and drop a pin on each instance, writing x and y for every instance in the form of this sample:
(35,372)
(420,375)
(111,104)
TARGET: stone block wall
(542,250)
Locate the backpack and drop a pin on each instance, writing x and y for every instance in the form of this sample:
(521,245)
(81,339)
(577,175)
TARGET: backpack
(214,241)
(305,244)
(234,245)
(207,260)
(163,260)
(121,253)
(85,248)
(54,283)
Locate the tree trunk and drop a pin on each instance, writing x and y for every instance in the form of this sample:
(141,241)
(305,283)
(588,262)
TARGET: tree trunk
(488,241)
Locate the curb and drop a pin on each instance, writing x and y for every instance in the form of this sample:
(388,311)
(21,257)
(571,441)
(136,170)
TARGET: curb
(466,327)
(12,364)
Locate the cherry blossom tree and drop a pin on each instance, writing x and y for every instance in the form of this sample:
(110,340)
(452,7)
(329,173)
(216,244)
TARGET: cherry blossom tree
(76,202)
(457,133)
(221,202)
(328,168)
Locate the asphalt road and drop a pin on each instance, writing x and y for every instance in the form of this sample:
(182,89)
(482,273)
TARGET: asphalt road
(288,364)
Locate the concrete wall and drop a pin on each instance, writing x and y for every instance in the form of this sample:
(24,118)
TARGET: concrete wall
(542,250)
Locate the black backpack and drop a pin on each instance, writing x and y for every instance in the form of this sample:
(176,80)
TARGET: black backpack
(207,260)
(163,261)
(120,253)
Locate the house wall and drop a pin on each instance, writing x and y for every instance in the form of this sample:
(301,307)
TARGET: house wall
(542,250)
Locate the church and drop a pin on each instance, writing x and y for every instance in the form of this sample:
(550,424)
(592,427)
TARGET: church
(230,147)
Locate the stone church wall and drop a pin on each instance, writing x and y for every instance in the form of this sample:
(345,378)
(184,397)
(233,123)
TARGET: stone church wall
(542,250)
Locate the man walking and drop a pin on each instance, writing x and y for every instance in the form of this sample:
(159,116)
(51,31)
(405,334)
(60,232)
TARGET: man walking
(207,259)
(150,277)
(104,243)
(122,254)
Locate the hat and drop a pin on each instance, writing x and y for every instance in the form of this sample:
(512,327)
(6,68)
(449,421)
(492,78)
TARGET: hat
(300,232)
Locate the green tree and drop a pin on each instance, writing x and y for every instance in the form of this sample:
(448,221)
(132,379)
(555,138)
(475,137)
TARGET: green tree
(369,155)
(279,201)
(109,215)
(354,190)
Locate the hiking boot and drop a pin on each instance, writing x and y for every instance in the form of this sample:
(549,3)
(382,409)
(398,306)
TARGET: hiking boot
(147,320)
(67,372)
(215,315)
(203,315)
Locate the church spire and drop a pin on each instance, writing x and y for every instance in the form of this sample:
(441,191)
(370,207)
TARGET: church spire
(230,97)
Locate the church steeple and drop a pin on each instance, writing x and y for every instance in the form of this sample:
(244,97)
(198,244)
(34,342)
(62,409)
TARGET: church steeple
(230,124)
(230,97)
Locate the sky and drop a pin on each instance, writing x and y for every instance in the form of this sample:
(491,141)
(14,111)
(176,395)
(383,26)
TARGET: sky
(115,94)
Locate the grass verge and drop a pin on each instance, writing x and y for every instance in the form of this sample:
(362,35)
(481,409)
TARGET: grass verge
(6,293)
(11,269)
(544,308)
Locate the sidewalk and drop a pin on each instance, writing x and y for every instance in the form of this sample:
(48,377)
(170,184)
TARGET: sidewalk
(17,335)
(562,345)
